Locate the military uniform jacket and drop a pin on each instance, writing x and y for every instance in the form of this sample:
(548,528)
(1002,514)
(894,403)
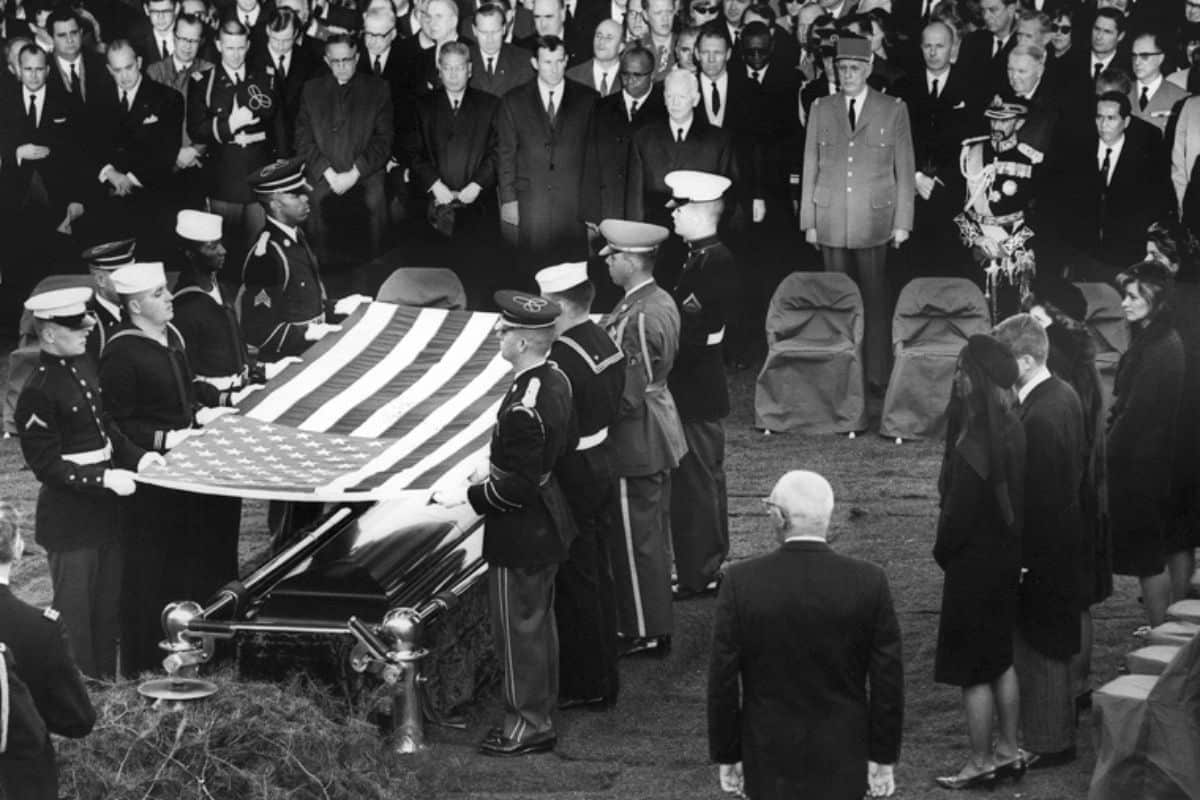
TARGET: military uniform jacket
(147,386)
(858,186)
(647,437)
(281,293)
(106,325)
(528,523)
(595,367)
(215,346)
(68,440)
(706,289)
(1000,178)
(210,96)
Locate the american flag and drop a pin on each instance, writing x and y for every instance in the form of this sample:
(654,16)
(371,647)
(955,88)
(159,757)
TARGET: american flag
(401,399)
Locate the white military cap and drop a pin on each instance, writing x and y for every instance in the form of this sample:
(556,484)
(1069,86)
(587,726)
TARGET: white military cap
(59,304)
(198,226)
(139,277)
(561,277)
(691,186)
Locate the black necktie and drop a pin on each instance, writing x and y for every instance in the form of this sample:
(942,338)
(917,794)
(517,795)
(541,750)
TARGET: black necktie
(454,105)
(928,10)
(491,66)
(679,135)
(282,67)
(125,101)
(633,110)
(246,19)
(933,89)
(1144,100)
(716,99)
(1096,70)
(165,52)
(754,75)
(32,116)
(550,106)
(853,114)
(74,80)
(1105,165)
(378,66)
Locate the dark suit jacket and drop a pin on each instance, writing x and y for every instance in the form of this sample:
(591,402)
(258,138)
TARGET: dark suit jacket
(344,127)
(609,143)
(64,171)
(95,76)
(939,126)
(581,27)
(816,88)
(582,73)
(144,140)
(145,43)
(988,72)
(541,167)
(782,139)
(512,68)
(745,115)
(805,681)
(302,66)
(655,153)
(456,148)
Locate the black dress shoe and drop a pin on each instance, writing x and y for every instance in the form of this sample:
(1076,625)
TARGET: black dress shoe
(504,747)
(710,589)
(981,780)
(654,646)
(1049,760)
(589,703)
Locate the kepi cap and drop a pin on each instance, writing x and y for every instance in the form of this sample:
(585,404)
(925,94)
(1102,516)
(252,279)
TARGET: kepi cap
(110,255)
(692,186)
(523,310)
(139,277)
(282,175)
(198,226)
(998,109)
(856,48)
(561,277)
(66,307)
(626,236)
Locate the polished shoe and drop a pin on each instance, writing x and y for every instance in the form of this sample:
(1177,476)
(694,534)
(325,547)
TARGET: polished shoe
(1050,760)
(655,646)
(980,780)
(710,589)
(588,703)
(496,744)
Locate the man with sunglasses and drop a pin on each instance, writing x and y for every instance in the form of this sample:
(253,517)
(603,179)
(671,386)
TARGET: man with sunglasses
(83,462)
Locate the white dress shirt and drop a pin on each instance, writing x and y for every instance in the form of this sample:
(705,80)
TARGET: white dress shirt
(1040,376)
(860,100)
(599,73)
(706,84)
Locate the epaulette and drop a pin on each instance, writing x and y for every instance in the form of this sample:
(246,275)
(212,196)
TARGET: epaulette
(51,614)
(529,399)
(260,247)
(975,140)
(1031,152)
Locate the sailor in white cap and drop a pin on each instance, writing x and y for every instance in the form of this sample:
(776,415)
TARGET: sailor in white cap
(149,387)
(83,461)
(585,601)
(647,439)
(707,294)
(101,260)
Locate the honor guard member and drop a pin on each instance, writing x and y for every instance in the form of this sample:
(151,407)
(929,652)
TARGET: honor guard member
(705,292)
(528,528)
(83,462)
(232,111)
(584,600)
(1000,171)
(149,389)
(220,363)
(647,439)
(282,301)
(101,260)
(42,655)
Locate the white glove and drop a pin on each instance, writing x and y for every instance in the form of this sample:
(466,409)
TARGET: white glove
(316,331)
(732,780)
(881,780)
(481,471)
(150,459)
(207,416)
(240,395)
(176,438)
(450,498)
(119,481)
(273,368)
(345,306)
(240,117)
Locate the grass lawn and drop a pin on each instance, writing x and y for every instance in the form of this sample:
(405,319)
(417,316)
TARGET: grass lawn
(652,745)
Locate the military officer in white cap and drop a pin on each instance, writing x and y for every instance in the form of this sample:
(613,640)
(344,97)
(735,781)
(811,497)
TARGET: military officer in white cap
(584,600)
(83,462)
(706,293)
(647,438)
(529,527)
(149,387)
(101,260)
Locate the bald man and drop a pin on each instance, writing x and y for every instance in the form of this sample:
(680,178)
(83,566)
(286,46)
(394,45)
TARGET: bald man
(601,72)
(809,700)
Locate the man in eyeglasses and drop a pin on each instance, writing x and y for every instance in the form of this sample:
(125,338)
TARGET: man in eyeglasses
(1153,98)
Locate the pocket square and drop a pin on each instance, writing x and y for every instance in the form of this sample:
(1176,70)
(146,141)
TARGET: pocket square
(961,104)
(150,120)
(59,120)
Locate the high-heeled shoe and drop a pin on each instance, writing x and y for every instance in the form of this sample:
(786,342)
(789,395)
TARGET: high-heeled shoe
(981,780)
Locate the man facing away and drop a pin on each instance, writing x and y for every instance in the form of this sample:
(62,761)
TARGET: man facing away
(805,681)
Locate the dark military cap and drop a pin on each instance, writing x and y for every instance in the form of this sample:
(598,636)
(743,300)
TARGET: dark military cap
(522,310)
(284,175)
(855,48)
(110,255)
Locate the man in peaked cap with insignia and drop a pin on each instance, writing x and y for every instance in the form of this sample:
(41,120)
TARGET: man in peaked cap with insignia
(41,652)
(858,188)
(529,528)
(82,460)
(1000,171)
(647,438)
(706,293)
(105,306)
(585,602)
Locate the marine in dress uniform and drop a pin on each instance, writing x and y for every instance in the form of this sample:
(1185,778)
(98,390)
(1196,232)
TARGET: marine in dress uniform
(105,306)
(647,438)
(585,599)
(42,653)
(1000,171)
(148,386)
(707,289)
(528,527)
(82,460)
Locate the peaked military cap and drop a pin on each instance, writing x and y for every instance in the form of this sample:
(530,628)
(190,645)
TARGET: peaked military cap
(627,236)
(66,307)
(110,255)
(522,310)
(283,175)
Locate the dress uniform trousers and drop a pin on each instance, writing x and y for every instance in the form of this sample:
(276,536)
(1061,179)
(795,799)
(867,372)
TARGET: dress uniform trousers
(642,563)
(87,592)
(699,508)
(526,635)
